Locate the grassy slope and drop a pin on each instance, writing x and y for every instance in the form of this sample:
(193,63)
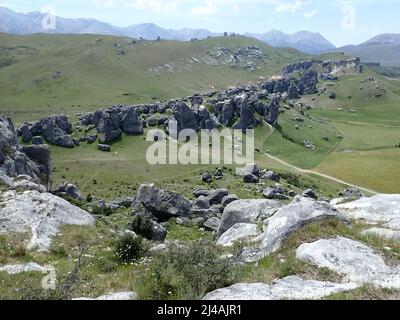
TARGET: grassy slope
(95,75)
(367,155)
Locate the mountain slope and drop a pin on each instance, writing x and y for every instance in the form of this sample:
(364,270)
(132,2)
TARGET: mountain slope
(383,49)
(31,23)
(305,41)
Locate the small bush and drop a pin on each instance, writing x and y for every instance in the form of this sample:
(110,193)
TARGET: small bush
(188,272)
(129,248)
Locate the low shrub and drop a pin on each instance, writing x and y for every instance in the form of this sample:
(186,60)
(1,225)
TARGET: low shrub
(129,248)
(188,272)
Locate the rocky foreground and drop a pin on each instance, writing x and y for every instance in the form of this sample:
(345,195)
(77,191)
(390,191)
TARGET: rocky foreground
(28,204)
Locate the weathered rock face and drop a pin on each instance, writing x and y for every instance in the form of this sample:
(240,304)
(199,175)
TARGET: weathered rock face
(273,114)
(239,232)
(161,204)
(185,116)
(70,190)
(41,214)
(382,208)
(350,258)
(290,288)
(32,161)
(131,123)
(308,83)
(8,138)
(247,119)
(106,131)
(289,219)
(247,211)
(293,92)
(55,129)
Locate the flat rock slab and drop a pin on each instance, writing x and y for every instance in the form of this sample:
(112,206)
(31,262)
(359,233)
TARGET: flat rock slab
(119,296)
(247,211)
(240,231)
(350,258)
(289,219)
(290,288)
(387,234)
(20,268)
(383,208)
(41,214)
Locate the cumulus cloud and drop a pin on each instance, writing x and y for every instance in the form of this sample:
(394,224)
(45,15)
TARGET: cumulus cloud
(291,7)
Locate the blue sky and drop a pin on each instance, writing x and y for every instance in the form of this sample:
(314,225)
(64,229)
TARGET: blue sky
(340,21)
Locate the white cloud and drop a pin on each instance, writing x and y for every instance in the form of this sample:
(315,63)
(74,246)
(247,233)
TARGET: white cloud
(105,3)
(291,7)
(310,14)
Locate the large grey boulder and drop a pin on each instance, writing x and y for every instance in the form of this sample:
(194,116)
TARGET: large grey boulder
(8,137)
(31,161)
(273,113)
(106,131)
(383,208)
(247,211)
(247,119)
(131,123)
(239,232)
(216,196)
(185,117)
(289,219)
(289,288)
(161,204)
(41,214)
(358,262)
(55,135)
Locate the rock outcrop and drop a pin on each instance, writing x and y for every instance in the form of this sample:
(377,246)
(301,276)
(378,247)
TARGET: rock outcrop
(31,164)
(161,204)
(290,288)
(247,211)
(55,130)
(356,261)
(289,219)
(40,214)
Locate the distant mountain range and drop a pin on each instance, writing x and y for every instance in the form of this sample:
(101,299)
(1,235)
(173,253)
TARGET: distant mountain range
(383,49)
(29,23)
(305,41)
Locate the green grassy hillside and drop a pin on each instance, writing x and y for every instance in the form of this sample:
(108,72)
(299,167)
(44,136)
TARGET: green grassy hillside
(48,74)
(45,74)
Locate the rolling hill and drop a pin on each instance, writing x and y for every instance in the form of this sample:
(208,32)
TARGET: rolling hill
(43,74)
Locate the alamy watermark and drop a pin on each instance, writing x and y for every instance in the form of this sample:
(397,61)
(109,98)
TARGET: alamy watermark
(349,21)
(188,147)
(49,21)
(49,281)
